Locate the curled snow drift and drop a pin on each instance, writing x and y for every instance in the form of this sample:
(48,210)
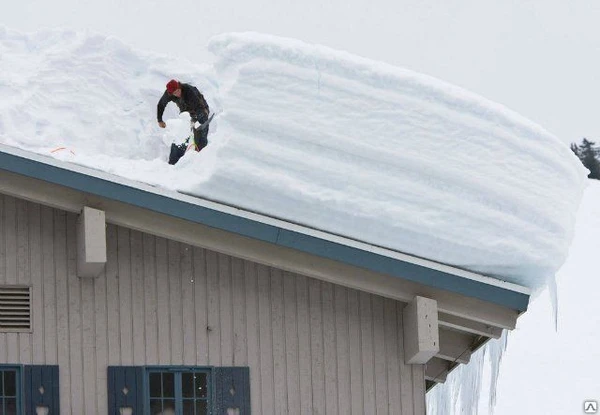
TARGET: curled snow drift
(391,157)
(315,136)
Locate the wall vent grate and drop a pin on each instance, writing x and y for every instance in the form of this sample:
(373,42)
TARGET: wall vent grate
(15,308)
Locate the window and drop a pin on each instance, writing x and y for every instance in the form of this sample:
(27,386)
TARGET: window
(9,391)
(178,391)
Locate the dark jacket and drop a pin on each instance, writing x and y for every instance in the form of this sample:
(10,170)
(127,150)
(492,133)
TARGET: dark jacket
(191,101)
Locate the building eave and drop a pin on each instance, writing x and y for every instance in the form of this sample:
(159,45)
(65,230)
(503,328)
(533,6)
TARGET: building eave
(264,228)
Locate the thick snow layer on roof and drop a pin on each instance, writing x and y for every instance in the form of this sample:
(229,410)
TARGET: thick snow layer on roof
(310,135)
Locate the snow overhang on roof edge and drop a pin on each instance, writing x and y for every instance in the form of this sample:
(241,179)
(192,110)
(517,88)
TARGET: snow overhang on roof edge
(265,228)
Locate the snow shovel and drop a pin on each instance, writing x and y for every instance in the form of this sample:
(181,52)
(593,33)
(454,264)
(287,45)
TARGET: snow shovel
(178,150)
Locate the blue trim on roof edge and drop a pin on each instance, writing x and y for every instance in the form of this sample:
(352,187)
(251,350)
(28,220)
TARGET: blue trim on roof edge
(264,232)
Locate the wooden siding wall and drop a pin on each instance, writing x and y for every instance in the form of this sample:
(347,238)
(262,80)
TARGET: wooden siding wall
(312,347)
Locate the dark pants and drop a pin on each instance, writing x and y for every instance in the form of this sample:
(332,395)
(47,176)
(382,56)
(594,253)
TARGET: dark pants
(200,136)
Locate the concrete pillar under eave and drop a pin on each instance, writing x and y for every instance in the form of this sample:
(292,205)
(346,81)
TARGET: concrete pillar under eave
(421,332)
(91,242)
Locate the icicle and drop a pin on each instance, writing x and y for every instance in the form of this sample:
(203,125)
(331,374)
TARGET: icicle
(496,351)
(553,290)
(461,392)
(439,400)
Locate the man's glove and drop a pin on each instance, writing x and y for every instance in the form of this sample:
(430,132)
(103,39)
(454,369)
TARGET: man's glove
(162,124)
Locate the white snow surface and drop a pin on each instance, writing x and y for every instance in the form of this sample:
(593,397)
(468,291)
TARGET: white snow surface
(310,135)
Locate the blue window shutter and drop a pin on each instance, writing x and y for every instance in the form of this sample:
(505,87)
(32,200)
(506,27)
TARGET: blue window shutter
(125,388)
(232,389)
(41,388)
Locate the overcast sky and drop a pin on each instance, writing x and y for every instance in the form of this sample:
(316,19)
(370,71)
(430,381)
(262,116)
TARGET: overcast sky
(540,58)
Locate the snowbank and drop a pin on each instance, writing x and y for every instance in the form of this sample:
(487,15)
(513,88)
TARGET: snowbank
(311,135)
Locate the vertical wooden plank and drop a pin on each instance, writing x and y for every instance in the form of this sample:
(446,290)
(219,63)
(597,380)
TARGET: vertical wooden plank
(23,272)
(175,309)
(10,205)
(381,387)
(418,375)
(329,348)
(213,326)
(2,243)
(304,359)
(90,372)
(406,390)
(252,334)
(277,326)
(125,306)
(35,260)
(343,350)
(187,302)
(3,266)
(137,293)
(201,319)
(316,346)
(226,310)
(355,350)
(150,299)
(265,340)
(238,289)
(62,308)
(291,342)
(22,243)
(49,287)
(162,290)
(112,296)
(391,356)
(10,228)
(368,360)
(75,328)
(101,328)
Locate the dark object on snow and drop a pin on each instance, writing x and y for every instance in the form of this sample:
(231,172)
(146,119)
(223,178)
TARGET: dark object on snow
(200,141)
(177,152)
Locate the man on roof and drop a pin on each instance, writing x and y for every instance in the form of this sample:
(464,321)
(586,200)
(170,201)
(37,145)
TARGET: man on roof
(188,98)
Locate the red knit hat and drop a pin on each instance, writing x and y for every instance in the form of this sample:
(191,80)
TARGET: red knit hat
(172,85)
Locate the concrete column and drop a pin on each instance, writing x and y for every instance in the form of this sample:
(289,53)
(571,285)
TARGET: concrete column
(421,332)
(91,242)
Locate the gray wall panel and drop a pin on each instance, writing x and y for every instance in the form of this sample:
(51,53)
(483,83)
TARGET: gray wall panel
(312,347)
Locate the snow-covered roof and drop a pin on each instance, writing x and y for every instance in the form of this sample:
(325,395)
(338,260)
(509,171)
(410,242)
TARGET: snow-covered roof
(312,136)
(264,228)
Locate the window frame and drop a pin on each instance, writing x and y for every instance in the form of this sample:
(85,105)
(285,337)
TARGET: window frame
(18,369)
(177,370)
